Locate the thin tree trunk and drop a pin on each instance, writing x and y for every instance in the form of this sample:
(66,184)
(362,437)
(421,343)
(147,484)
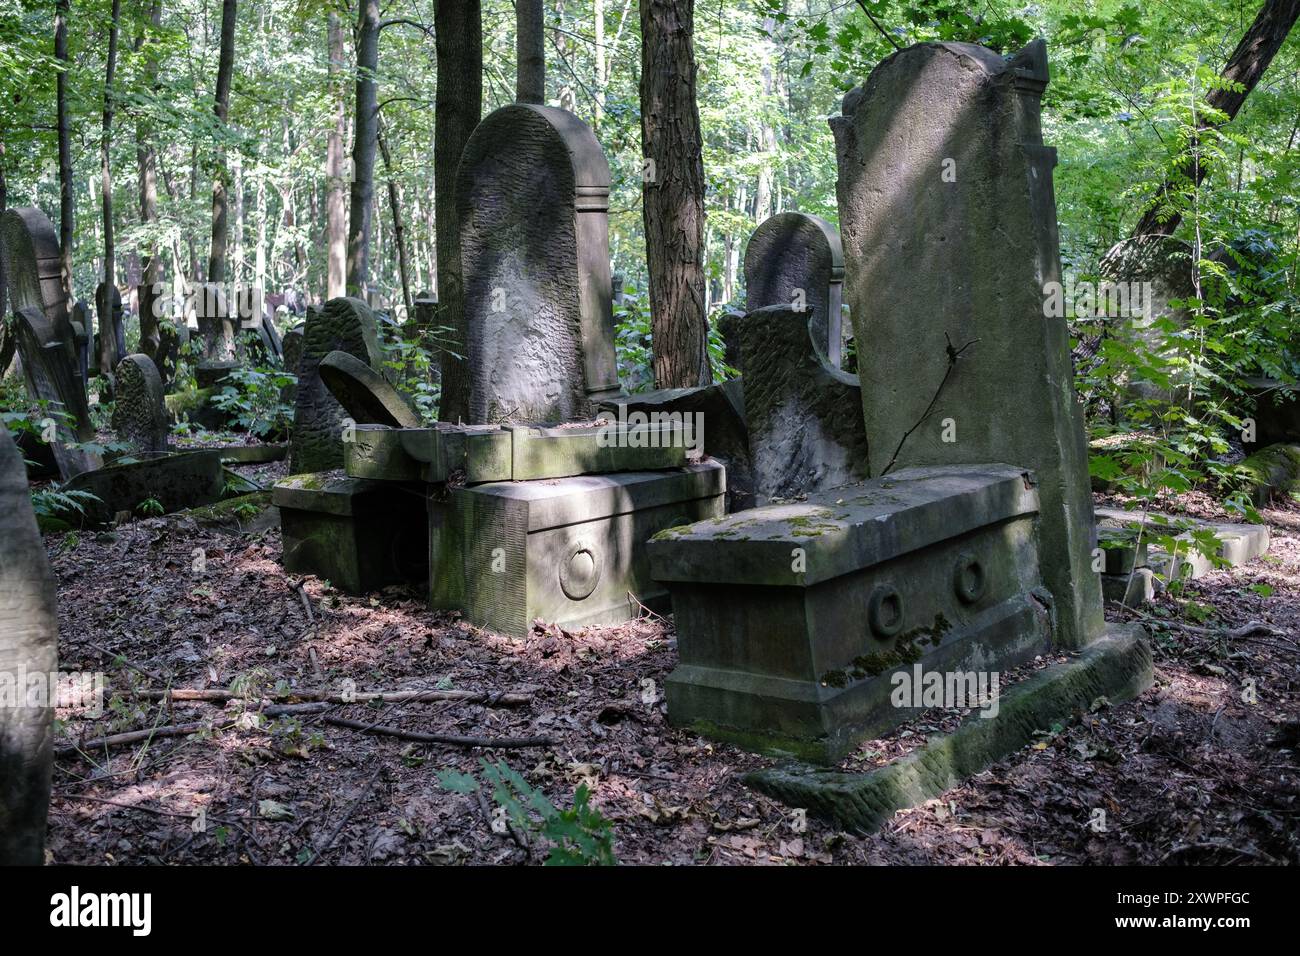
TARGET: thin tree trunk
(67,202)
(336,223)
(108,356)
(530,52)
(598,54)
(399,231)
(4,289)
(147,158)
(1245,67)
(458,32)
(221,107)
(363,148)
(673,194)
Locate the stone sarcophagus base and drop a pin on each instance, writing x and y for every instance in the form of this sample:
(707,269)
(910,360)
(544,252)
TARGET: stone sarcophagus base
(571,551)
(359,535)
(793,620)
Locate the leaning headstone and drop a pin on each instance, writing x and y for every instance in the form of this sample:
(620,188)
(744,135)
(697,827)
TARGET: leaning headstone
(805,416)
(52,378)
(29,637)
(795,260)
(139,415)
(942,167)
(343,325)
(33,268)
(365,394)
(533,200)
(152,487)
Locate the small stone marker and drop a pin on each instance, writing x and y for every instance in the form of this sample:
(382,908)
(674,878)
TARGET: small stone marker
(139,415)
(795,260)
(343,325)
(950,237)
(533,199)
(29,637)
(805,416)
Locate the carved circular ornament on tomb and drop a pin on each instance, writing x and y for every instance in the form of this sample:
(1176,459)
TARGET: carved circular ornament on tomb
(885,611)
(968,579)
(580,571)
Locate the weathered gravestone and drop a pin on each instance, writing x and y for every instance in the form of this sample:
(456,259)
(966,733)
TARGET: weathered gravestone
(364,394)
(139,415)
(51,378)
(83,325)
(169,484)
(948,220)
(795,260)
(343,325)
(533,200)
(805,416)
(29,635)
(33,268)
(291,348)
(218,334)
(172,338)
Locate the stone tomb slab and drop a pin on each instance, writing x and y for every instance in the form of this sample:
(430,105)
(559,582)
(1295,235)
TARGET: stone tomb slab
(511,452)
(365,395)
(570,551)
(792,619)
(359,535)
(176,482)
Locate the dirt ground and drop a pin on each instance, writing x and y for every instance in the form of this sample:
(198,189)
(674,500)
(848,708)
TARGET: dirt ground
(1193,772)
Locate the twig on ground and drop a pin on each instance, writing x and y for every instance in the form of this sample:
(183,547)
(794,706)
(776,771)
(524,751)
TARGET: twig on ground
(324,848)
(499,743)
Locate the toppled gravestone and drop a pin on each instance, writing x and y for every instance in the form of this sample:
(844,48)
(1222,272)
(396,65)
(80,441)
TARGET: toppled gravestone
(29,636)
(364,394)
(156,486)
(965,366)
(533,201)
(805,416)
(139,414)
(343,325)
(795,259)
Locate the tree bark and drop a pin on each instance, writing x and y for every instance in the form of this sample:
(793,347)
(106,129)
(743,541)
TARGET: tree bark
(108,357)
(365,127)
(1246,65)
(147,159)
(458,29)
(336,223)
(67,204)
(673,194)
(221,107)
(530,52)
(399,230)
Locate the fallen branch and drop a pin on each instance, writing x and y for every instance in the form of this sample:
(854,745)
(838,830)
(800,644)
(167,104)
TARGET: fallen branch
(217,695)
(343,821)
(498,743)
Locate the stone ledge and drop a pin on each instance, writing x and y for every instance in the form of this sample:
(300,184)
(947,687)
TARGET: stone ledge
(1117,666)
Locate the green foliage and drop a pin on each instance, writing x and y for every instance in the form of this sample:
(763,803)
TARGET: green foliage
(253,400)
(58,510)
(579,836)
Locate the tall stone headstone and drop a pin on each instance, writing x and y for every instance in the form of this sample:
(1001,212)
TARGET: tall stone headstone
(29,637)
(343,325)
(139,413)
(533,200)
(948,220)
(795,260)
(33,269)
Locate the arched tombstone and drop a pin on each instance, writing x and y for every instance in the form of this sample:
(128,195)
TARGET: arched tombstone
(533,200)
(795,260)
(139,413)
(948,219)
(343,325)
(29,637)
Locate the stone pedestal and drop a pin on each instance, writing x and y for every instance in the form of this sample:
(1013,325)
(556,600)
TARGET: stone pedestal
(359,535)
(792,620)
(570,551)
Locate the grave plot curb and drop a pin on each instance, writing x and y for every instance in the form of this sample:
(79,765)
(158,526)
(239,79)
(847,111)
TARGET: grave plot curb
(1117,667)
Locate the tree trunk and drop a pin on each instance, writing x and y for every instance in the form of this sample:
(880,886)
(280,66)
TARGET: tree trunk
(673,194)
(336,223)
(530,52)
(363,148)
(598,55)
(108,357)
(399,231)
(1246,65)
(67,203)
(458,31)
(221,107)
(147,158)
